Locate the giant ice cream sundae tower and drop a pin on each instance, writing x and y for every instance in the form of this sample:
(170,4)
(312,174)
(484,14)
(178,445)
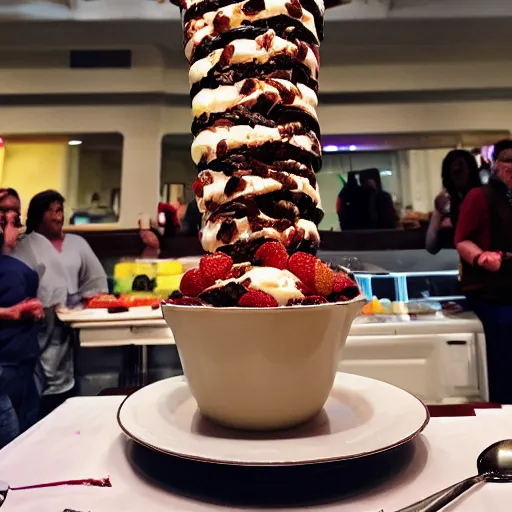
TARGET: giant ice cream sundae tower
(261,324)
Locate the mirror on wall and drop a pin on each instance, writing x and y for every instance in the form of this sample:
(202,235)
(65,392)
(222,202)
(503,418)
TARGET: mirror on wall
(371,181)
(85,168)
(390,181)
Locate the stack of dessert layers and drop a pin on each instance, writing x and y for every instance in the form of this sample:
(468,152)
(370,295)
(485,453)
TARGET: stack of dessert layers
(253,84)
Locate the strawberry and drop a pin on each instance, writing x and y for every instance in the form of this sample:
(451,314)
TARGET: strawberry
(192,283)
(344,288)
(272,254)
(257,299)
(315,274)
(341,281)
(214,267)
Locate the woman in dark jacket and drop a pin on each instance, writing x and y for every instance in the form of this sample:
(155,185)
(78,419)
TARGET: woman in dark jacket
(460,174)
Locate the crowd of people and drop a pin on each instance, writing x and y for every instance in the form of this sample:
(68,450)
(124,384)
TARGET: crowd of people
(41,271)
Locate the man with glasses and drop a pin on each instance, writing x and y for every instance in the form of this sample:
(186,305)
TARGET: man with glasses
(484,242)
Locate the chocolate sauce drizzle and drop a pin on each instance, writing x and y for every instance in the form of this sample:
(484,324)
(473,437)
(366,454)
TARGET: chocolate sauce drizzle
(91,482)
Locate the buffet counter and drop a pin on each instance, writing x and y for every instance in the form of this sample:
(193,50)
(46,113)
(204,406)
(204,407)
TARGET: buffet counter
(440,358)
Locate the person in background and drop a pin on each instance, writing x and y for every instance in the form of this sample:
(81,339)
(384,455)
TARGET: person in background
(181,209)
(168,219)
(459,175)
(10,202)
(72,274)
(483,239)
(20,313)
(192,220)
(351,205)
(380,203)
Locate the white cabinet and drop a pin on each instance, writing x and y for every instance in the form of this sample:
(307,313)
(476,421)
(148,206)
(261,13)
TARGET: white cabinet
(434,367)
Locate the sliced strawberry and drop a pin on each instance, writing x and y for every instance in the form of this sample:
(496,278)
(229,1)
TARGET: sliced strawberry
(324,279)
(272,254)
(214,267)
(341,281)
(303,266)
(257,299)
(344,288)
(315,274)
(192,283)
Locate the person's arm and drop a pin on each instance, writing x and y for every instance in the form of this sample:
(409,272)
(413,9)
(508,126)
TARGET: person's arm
(92,277)
(469,226)
(432,239)
(9,314)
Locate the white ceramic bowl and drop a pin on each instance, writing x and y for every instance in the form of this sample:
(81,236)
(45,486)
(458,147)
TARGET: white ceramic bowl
(261,369)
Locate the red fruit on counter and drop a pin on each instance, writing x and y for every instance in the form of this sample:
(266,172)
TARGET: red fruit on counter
(257,299)
(214,267)
(272,254)
(192,283)
(315,274)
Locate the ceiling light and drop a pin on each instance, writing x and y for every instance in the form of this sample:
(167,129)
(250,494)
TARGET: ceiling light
(75,142)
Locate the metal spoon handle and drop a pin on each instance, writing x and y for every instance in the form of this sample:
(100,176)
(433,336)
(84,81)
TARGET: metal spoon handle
(442,498)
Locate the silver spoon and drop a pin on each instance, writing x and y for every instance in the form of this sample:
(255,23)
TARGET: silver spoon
(494,465)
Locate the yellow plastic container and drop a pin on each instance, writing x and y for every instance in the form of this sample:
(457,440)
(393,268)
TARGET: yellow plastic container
(124,270)
(169,268)
(145,269)
(165,285)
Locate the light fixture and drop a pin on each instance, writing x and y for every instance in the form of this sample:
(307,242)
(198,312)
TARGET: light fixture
(330,148)
(1,142)
(352,148)
(75,142)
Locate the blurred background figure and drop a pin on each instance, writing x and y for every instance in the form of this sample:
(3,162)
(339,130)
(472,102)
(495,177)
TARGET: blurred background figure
(363,204)
(20,313)
(181,208)
(483,240)
(380,203)
(192,220)
(459,174)
(350,205)
(72,274)
(168,219)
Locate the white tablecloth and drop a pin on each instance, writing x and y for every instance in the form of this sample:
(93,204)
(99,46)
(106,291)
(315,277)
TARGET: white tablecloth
(82,440)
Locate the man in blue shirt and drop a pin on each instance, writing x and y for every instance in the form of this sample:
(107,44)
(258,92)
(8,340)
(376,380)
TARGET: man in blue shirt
(20,312)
